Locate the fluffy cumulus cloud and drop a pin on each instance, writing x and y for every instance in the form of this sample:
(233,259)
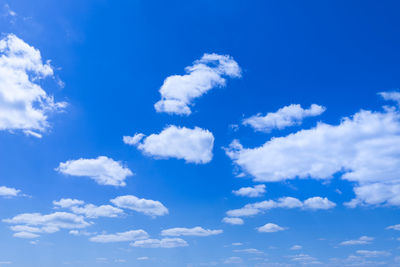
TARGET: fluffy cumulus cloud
(67,202)
(364,240)
(314,203)
(284,117)
(270,228)
(24,105)
(195,231)
(89,210)
(362,148)
(146,206)
(93,211)
(160,243)
(9,192)
(192,145)
(103,170)
(30,224)
(120,237)
(179,91)
(233,220)
(255,191)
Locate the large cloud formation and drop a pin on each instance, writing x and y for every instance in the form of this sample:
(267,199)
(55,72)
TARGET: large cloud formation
(363,148)
(24,105)
(178,91)
(192,145)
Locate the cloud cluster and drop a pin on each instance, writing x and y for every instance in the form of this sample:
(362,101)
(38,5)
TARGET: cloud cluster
(195,231)
(120,237)
(192,145)
(314,203)
(24,105)
(233,220)
(283,117)
(179,91)
(103,170)
(364,240)
(255,191)
(363,148)
(29,225)
(160,243)
(146,206)
(88,210)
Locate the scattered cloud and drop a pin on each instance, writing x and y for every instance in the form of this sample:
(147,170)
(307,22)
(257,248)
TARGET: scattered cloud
(35,223)
(120,237)
(394,227)
(192,145)
(361,148)
(233,220)
(146,206)
(373,253)
(179,91)
(103,170)
(233,260)
(284,117)
(195,231)
(67,202)
(364,240)
(249,250)
(160,243)
(142,258)
(314,203)
(9,192)
(93,211)
(270,228)
(24,104)
(255,191)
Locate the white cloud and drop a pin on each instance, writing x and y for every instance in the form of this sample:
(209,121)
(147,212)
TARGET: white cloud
(24,105)
(391,96)
(9,192)
(179,91)
(373,253)
(249,250)
(68,202)
(296,247)
(146,206)
(27,235)
(233,260)
(394,227)
(314,203)
(49,223)
(160,243)
(255,191)
(318,203)
(103,170)
(195,231)
(120,237)
(270,228)
(80,233)
(192,145)
(305,259)
(362,148)
(237,244)
(232,220)
(88,210)
(284,117)
(93,211)
(142,258)
(364,240)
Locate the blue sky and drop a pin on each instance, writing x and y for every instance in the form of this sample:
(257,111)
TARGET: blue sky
(199,133)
